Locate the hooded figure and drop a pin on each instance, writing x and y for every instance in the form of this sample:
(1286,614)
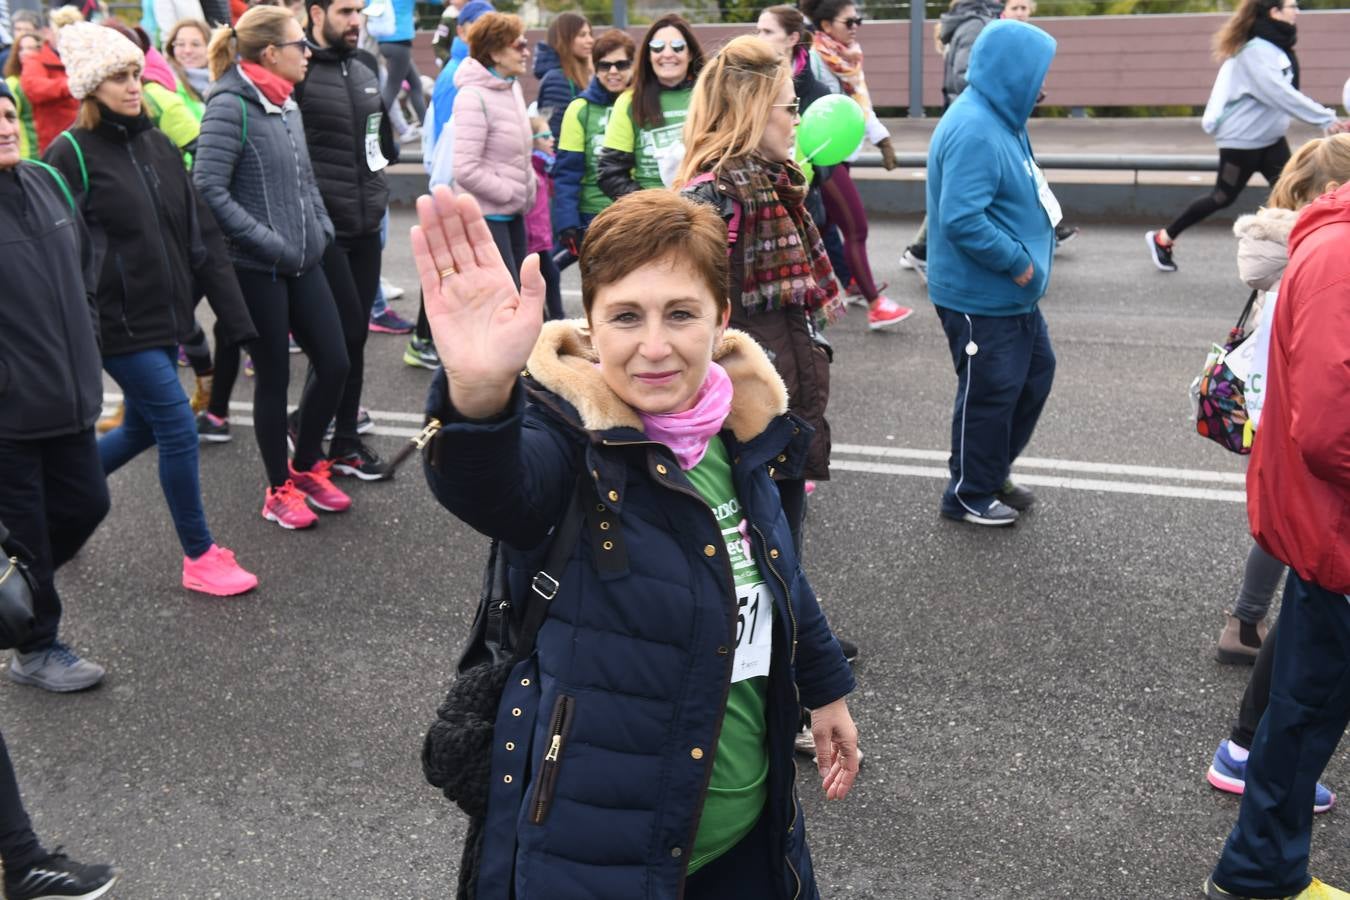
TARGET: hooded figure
(991,221)
(959,28)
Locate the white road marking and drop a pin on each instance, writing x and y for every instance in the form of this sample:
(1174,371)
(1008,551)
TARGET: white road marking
(840,462)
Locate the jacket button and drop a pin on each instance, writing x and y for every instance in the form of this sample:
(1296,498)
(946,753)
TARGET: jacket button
(613,496)
(710,550)
(722,651)
(782,457)
(506,778)
(510,745)
(516,712)
(773,554)
(524,682)
(696,753)
(660,469)
(676,852)
(604,525)
(608,545)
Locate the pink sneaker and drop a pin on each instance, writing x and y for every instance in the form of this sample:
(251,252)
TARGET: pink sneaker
(810,488)
(286,506)
(886,313)
(317,486)
(216,572)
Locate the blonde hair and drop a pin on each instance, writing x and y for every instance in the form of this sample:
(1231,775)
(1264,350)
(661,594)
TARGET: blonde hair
(65,15)
(730,106)
(1314,165)
(259,28)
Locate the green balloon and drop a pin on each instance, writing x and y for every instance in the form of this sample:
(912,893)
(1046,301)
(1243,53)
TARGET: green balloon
(805,165)
(830,130)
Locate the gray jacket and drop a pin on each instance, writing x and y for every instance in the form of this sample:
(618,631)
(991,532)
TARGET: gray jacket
(961,25)
(1254,99)
(252,168)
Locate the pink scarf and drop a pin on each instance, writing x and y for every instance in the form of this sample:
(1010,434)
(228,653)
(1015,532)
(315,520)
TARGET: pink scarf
(688,433)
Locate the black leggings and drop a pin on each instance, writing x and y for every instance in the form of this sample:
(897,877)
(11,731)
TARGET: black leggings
(1236,167)
(352,268)
(509,236)
(227,372)
(302,305)
(19,847)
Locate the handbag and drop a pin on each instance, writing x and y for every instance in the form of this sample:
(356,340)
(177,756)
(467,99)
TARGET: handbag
(1217,393)
(17,587)
(457,750)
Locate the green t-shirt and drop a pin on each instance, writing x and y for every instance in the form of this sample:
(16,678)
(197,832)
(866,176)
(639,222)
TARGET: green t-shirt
(583,131)
(740,775)
(653,149)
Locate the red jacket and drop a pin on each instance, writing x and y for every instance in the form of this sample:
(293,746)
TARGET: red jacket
(44,81)
(1298,484)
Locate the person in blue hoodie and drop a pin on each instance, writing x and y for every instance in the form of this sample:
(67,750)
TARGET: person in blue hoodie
(991,236)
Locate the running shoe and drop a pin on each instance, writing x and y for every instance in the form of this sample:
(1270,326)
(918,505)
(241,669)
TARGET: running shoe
(114,420)
(317,486)
(1316,890)
(58,876)
(390,322)
(1016,496)
(201,393)
(249,371)
(391,290)
(286,506)
(412,134)
(56,668)
(359,461)
(886,313)
(1227,774)
(853,295)
(810,487)
(212,430)
(1064,233)
(421,354)
(364,423)
(916,257)
(216,572)
(183,361)
(992,512)
(1162,253)
(291,345)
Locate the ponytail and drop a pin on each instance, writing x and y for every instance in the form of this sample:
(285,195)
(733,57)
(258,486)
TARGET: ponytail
(257,29)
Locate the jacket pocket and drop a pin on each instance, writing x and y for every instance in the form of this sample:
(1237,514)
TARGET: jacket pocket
(559,724)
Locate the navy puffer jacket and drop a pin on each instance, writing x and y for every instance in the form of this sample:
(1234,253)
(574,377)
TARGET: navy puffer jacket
(632,662)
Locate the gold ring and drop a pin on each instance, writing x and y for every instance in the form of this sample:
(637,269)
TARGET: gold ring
(447,272)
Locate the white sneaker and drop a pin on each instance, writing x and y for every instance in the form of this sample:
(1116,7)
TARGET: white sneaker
(391,290)
(58,668)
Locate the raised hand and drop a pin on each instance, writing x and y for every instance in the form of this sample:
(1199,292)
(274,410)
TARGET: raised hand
(483,327)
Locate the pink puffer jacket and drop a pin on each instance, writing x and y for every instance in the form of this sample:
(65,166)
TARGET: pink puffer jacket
(492,141)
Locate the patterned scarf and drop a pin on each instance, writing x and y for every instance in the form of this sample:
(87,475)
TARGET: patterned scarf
(687,433)
(785,263)
(846,62)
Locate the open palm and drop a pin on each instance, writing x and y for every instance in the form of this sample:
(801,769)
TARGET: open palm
(483,327)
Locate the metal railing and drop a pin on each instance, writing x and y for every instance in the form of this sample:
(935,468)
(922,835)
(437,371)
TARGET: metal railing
(1102,162)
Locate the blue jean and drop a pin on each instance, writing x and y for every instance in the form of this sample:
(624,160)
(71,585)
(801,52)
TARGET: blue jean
(1266,854)
(158,412)
(1001,389)
(381,301)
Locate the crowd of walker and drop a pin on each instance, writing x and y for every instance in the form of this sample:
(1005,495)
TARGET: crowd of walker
(141,169)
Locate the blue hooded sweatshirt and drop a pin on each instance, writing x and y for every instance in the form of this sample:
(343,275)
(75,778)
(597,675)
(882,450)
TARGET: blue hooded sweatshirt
(986,223)
(443,94)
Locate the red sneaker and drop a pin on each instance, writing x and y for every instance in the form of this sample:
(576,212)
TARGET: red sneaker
(286,506)
(317,486)
(217,572)
(886,313)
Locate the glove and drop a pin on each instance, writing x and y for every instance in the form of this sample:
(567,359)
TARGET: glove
(887,154)
(570,239)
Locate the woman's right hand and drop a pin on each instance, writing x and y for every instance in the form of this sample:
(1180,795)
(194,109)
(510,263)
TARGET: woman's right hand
(483,327)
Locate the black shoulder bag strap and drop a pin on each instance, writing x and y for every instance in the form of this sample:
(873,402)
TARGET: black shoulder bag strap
(547,580)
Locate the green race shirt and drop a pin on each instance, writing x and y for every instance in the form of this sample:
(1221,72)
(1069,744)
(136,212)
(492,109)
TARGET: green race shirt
(583,131)
(739,785)
(653,149)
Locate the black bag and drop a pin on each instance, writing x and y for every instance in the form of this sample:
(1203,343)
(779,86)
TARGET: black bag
(17,588)
(457,751)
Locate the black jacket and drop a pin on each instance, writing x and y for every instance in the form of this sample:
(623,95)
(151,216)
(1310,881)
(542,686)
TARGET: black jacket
(160,246)
(339,101)
(50,383)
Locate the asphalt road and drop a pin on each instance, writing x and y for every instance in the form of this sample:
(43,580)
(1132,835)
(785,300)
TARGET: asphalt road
(1038,705)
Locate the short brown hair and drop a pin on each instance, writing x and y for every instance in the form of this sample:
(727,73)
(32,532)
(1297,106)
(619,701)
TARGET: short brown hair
(493,33)
(611,40)
(687,231)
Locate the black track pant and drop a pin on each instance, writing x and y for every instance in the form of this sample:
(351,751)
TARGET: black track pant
(1236,167)
(19,847)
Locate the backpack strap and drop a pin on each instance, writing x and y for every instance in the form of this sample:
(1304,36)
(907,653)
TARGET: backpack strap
(243,131)
(79,155)
(58,178)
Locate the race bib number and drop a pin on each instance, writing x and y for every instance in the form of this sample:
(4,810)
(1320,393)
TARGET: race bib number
(754,633)
(375,160)
(1047,196)
(666,146)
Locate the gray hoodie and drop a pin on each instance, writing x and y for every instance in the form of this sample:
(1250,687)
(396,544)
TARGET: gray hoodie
(1254,99)
(959,28)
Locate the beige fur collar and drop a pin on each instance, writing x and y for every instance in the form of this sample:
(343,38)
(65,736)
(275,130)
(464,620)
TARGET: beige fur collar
(563,361)
(1268,224)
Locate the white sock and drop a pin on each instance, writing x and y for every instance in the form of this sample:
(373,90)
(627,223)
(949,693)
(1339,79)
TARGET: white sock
(1239,754)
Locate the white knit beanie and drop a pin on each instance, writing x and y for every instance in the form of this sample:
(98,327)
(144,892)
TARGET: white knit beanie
(92,53)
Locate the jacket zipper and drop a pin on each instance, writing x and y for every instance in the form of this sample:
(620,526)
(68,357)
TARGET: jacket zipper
(299,180)
(361,165)
(548,770)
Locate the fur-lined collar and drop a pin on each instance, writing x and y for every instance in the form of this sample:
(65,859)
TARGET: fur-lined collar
(563,361)
(1267,224)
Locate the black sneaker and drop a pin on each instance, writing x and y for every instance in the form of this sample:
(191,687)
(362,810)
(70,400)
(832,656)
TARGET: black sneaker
(916,257)
(1016,496)
(850,649)
(1064,232)
(212,430)
(1162,256)
(360,462)
(994,512)
(59,876)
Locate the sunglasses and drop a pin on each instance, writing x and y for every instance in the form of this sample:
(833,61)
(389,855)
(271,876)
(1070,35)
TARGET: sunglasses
(542,135)
(851,21)
(521,44)
(299,45)
(618,65)
(677,45)
(793,108)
